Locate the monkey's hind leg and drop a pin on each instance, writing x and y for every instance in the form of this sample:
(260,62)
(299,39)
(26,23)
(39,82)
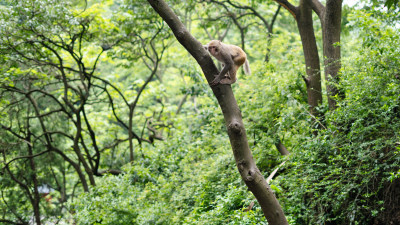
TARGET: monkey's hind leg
(228,80)
(230,77)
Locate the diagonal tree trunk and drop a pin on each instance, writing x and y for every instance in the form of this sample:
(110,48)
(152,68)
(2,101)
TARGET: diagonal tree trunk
(233,118)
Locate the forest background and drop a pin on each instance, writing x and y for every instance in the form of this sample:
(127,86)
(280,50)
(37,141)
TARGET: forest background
(107,119)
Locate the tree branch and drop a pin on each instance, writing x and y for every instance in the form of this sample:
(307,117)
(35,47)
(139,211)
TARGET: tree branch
(287,5)
(25,157)
(318,8)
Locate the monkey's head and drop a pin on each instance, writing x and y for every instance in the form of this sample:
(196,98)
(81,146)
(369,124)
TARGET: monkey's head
(214,47)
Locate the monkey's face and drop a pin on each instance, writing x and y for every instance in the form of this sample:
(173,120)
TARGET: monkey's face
(214,47)
(214,50)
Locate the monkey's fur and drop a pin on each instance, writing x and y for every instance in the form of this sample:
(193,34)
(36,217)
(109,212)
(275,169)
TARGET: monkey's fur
(231,57)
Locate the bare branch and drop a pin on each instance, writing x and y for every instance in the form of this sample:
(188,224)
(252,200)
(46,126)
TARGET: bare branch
(318,8)
(25,157)
(287,5)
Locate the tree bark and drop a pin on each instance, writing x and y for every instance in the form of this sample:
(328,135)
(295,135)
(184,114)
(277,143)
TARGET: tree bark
(233,118)
(331,37)
(330,17)
(303,17)
(313,69)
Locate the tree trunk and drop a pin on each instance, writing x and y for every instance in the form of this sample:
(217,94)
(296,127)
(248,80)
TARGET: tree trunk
(303,16)
(77,150)
(313,69)
(36,195)
(233,118)
(35,200)
(330,17)
(331,37)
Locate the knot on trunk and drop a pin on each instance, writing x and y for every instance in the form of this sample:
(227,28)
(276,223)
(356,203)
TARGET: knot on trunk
(245,170)
(235,127)
(250,175)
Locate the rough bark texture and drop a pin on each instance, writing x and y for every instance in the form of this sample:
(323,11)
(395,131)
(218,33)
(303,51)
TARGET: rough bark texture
(313,69)
(331,22)
(303,16)
(330,17)
(233,118)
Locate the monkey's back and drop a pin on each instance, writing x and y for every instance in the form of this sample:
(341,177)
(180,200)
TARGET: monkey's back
(238,55)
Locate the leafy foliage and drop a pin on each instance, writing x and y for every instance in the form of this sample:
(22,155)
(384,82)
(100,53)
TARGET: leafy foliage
(342,175)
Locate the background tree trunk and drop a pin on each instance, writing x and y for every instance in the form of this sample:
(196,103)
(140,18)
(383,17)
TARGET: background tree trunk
(303,17)
(331,38)
(313,69)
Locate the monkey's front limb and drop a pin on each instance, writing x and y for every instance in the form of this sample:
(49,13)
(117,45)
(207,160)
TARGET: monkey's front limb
(224,74)
(216,81)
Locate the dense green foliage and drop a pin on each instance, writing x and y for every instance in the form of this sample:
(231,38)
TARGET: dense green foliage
(102,95)
(345,173)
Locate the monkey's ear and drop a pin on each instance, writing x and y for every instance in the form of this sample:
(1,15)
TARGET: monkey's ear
(205,47)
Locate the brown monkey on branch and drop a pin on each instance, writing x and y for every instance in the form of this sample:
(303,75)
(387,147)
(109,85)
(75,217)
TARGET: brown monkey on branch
(231,57)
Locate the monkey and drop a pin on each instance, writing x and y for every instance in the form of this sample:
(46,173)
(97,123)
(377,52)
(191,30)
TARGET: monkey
(231,57)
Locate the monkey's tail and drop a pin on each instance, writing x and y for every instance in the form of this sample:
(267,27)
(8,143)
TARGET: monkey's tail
(246,67)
